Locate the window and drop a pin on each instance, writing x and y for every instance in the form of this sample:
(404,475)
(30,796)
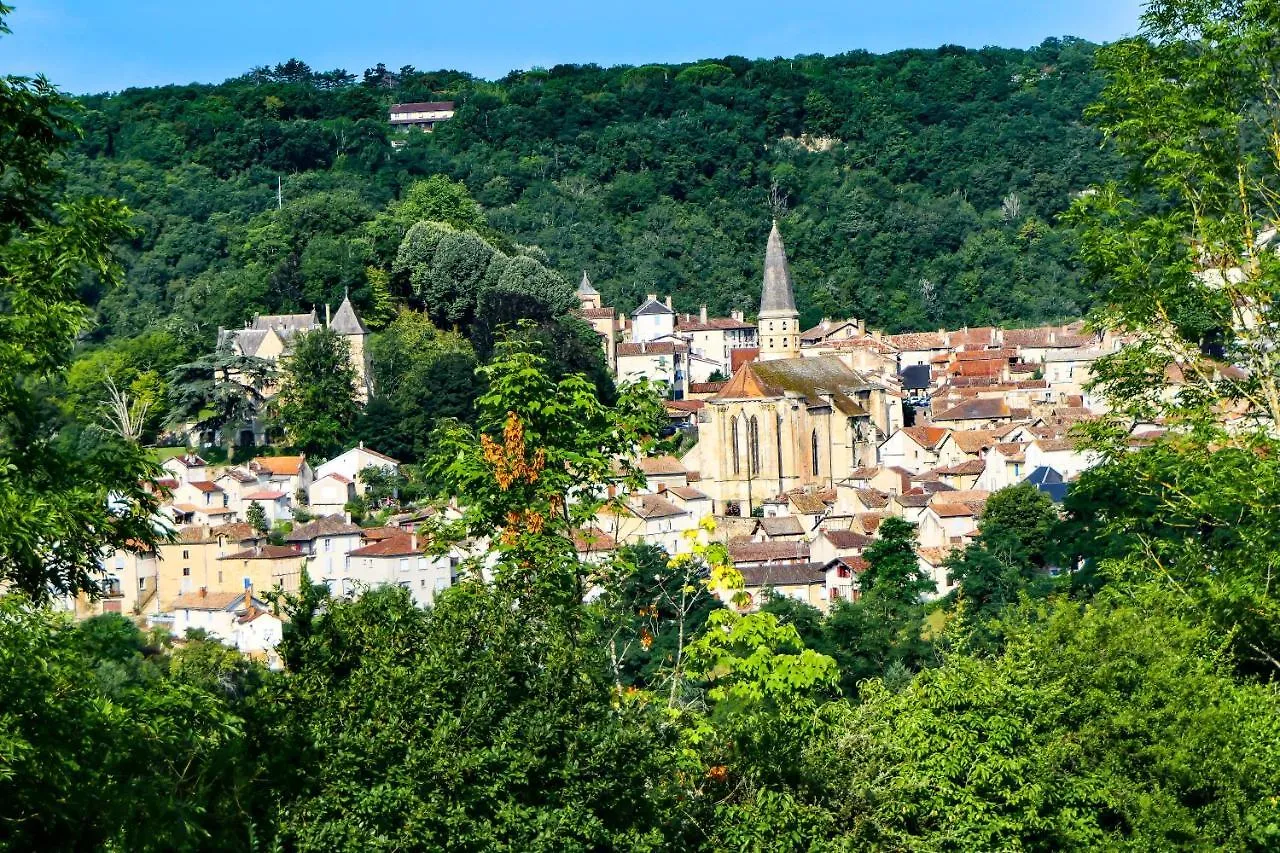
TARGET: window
(219,575)
(733,439)
(404,564)
(327,543)
(753,436)
(813,441)
(186,555)
(142,583)
(186,572)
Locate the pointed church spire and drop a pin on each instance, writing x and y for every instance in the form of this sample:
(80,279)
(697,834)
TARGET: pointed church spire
(345,321)
(585,288)
(777,297)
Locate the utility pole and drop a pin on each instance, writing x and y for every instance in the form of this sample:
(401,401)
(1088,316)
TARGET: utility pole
(279,193)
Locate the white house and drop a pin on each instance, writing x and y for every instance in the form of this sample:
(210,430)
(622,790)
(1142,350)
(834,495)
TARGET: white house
(330,493)
(186,468)
(275,504)
(401,561)
(214,612)
(652,320)
(355,460)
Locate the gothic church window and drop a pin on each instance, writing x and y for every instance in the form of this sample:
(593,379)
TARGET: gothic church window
(753,438)
(813,440)
(733,440)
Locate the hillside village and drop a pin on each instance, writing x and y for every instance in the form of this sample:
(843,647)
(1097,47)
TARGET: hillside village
(795,444)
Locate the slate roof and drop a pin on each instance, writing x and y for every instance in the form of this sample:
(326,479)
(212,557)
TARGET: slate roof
(345,321)
(652,348)
(981,409)
(778,293)
(585,288)
(422,107)
(797,574)
(652,306)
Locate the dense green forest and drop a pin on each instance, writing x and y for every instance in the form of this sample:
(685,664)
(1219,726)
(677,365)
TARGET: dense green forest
(1105,677)
(918,188)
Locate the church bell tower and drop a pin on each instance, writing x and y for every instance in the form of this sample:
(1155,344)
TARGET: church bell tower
(779,323)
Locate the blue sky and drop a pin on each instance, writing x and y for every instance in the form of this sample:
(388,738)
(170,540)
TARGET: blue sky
(87,46)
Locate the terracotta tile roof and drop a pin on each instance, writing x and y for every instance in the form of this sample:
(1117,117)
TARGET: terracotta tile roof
(918,341)
(208,601)
(968,467)
(913,500)
(279,465)
(684,405)
(713,324)
(265,495)
(346,481)
(377,534)
(330,525)
(976,337)
(872,498)
(864,473)
(952,510)
(656,466)
(205,486)
(237,531)
(847,538)
(392,546)
(185,508)
(760,552)
(706,387)
(741,356)
(1050,445)
(652,348)
(806,503)
(215,510)
(810,378)
(927,437)
(194,534)
(688,493)
(934,556)
(852,561)
(592,540)
(266,552)
(782,525)
(597,313)
(653,506)
(870,521)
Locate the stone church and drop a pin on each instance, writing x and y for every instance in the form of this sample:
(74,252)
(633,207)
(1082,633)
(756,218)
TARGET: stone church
(783,422)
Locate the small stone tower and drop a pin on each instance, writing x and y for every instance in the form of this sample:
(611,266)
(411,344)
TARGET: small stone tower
(779,322)
(588,296)
(346,323)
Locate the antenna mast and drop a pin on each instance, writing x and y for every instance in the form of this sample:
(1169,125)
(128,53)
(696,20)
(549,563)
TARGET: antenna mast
(279,193)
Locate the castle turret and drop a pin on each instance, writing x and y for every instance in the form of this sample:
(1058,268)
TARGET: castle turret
(779,321)
(588,296)
(346,323)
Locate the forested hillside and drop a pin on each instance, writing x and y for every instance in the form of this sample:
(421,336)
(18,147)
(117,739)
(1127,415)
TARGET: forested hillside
(918,188)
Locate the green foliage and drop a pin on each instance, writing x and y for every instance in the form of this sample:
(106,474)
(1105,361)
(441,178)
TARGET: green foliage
(256,516)
(61,500)
(1101,726)
(317,406)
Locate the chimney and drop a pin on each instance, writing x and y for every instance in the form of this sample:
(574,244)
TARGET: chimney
(702,314)
(826,323)
(347,516)
(413,541)
(668,300)
(651,297)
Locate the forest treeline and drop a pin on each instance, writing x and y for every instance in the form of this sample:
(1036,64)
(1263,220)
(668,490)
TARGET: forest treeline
(920,188)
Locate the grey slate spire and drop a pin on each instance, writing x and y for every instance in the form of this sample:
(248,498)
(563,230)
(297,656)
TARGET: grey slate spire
(345,322)
(777,297)
(585,288)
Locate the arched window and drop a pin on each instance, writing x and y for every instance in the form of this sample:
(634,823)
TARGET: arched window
(753,436)
(733,442)
(813,440)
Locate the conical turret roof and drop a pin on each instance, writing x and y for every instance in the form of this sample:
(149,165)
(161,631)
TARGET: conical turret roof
(585,288)
(345,322)
(777,295)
